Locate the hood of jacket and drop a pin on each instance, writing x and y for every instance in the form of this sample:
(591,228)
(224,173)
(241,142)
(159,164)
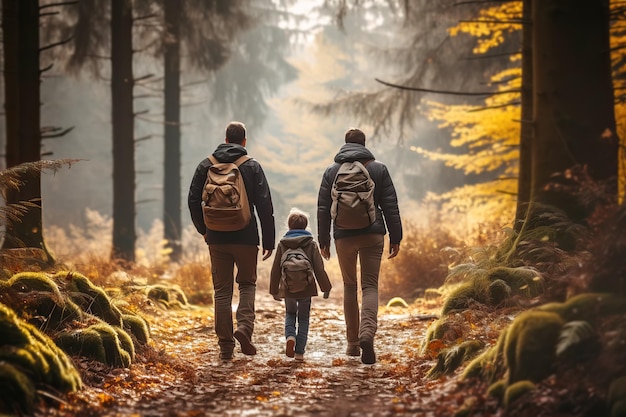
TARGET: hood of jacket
(353,152)
(297,239)
(229,152)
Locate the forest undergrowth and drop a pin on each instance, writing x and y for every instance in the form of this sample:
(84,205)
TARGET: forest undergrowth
(527,323)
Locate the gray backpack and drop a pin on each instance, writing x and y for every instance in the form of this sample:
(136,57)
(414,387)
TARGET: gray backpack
(352,196)
(296,271)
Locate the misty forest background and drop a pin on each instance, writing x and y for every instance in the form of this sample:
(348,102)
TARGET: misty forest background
(296,79)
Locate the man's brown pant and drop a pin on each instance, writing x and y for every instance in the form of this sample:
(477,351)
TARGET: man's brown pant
(369,250)
(223,260)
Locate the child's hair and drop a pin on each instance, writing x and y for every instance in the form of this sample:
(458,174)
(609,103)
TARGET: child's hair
(297,219)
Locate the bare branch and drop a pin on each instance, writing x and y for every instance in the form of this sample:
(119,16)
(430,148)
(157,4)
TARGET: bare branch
(141,112)
(498,22)
(65,3)
(143,138)
(48,14)
(148,16)
(492,55)
(57,135)
(456,93)
(52,45)
(499,106)
(48,68)
(143,77)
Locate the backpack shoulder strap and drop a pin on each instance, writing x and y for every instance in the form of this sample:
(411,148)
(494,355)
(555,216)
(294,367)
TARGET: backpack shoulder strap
(241,160)
(213,160)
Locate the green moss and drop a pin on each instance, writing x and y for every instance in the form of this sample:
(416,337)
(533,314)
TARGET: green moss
(475,290)
(34,354)
(83,342)
(89,297)
(499,292)
(17,390)
(158,293)
(33,281)
(618,409)
(516,390)
(616,395)
(115,354)
(448,360)
(530,345)
(137,326)
(489,364)
(126,342)
(497,389)
(523,281)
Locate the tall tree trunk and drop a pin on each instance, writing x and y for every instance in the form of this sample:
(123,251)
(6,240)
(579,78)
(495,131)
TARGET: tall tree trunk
(172,180)
(573,97)
(124,235)
(526,129)
(20,23)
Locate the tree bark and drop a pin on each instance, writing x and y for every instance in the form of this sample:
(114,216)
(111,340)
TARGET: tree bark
(172,167)
(526,128)
(20,24)
(124,235)
(573,93)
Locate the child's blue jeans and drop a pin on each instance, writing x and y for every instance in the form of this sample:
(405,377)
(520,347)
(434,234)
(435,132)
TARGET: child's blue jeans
(297,310)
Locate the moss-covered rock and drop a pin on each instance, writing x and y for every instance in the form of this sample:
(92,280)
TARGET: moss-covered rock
(91,298)
(137,326)
(167,296)
(448,360)
(25,349)
(530,345)
(17,390)
(616,398)
(100,342)
(516,390)
(588,306)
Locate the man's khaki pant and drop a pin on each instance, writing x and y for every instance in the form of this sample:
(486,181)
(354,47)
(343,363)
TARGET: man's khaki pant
(369,250)
(223,260)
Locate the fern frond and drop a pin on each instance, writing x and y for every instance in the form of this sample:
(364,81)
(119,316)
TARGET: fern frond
(573,334)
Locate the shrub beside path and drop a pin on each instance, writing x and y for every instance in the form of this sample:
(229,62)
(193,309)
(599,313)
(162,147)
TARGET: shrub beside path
(181,374)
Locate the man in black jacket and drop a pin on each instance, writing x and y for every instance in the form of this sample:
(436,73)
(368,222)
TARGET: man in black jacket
(239,248)
(366,244)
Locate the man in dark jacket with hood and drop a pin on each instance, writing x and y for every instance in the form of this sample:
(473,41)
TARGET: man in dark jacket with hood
(366,244)
(239,248)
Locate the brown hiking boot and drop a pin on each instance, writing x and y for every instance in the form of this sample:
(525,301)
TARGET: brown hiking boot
(353,350)
(247,348)
(290,346)
(368,356)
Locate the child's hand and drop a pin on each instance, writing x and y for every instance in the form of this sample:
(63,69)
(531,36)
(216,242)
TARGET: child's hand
(327,294)
(277,298)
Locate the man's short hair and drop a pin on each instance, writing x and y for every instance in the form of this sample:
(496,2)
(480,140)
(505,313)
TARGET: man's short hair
(235,132)
(354,135)
(297,219)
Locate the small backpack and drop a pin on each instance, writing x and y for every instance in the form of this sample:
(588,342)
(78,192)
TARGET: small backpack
(352,196)
(225,204)
(296,271)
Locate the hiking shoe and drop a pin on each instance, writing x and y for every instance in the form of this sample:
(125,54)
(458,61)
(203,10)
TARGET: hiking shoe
(299,357)
(226,356)
(289,347)
(353,350)
(368,356)
(247,348)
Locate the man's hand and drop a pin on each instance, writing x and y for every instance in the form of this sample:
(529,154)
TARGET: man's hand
(393,250)
(325,251)
(267,253)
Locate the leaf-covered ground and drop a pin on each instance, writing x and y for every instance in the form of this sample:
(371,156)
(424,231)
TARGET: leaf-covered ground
(181,375)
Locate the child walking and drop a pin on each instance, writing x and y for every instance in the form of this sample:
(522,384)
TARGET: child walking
(297,266)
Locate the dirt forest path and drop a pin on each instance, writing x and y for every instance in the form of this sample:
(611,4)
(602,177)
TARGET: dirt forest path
(186,378)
